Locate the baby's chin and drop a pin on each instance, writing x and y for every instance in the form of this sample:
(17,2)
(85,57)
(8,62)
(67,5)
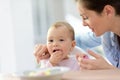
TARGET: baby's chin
(67,57)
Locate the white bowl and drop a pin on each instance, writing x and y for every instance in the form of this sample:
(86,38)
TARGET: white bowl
(53,73)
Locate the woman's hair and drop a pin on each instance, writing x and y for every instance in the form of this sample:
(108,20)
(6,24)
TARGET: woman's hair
(67,25)
(98,6)
(118,39)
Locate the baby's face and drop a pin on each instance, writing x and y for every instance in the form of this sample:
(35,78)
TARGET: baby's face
(59,39)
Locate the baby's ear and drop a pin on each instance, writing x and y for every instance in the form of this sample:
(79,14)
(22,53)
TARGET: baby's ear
(73,44)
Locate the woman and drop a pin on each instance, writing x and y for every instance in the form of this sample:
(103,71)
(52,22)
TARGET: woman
(103,18)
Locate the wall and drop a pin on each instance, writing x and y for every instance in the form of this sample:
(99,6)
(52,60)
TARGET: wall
(23,34)
(16,32)
(7,48)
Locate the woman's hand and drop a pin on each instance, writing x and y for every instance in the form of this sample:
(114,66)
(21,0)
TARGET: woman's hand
(98,63)
(41,52)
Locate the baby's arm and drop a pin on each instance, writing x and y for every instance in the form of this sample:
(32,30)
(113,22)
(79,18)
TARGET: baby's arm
(52,61)
(45,63)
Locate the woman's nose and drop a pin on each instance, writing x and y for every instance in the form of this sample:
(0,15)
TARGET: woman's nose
(85,24)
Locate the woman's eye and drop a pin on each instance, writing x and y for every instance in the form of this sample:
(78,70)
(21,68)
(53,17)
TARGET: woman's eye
(85,18)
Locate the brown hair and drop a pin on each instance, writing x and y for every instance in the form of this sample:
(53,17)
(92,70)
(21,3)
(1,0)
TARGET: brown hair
(98,5)
(67,25)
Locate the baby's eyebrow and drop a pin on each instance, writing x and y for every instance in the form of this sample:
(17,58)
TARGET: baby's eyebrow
(61,36)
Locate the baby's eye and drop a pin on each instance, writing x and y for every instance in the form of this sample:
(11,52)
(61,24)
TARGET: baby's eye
(61,39)
(51,40)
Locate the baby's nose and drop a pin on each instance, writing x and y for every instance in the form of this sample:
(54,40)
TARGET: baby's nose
(55,44)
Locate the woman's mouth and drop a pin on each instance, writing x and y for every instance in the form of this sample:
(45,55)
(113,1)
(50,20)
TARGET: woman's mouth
(92,29)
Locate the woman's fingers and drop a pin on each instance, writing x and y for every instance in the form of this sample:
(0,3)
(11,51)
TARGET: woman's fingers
(85,66)
(98,63)
(95,55)
(84,61)
(80,55)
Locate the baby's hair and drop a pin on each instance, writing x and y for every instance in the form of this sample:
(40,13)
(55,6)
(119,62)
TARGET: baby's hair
(65,24)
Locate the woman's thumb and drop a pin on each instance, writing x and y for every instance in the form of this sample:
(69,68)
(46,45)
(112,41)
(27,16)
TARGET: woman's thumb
(95,55)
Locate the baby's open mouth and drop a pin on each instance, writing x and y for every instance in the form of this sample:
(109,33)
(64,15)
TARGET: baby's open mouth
(56,50)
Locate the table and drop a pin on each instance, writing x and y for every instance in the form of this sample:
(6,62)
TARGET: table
(92,75)
(81,75)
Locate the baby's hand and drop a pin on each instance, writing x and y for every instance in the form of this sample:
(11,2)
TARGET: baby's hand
(41,52)
(55,58)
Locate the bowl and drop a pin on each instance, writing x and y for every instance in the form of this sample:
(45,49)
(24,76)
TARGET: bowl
(53,73)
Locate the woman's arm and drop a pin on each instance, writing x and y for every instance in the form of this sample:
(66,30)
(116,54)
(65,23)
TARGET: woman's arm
(87,40)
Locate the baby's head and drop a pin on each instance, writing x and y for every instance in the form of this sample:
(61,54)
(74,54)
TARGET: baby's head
(60,37)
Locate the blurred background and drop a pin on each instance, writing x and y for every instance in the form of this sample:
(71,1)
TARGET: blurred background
(24,23)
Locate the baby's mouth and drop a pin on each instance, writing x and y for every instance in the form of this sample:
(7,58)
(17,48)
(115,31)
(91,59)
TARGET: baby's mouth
(56,50)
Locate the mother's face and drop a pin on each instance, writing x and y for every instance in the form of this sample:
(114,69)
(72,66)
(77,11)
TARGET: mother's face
(98,23)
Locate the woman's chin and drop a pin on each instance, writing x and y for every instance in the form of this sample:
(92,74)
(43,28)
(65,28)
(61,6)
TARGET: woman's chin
(97,34)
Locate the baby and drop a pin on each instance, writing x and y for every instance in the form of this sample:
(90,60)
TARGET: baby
(60,43)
